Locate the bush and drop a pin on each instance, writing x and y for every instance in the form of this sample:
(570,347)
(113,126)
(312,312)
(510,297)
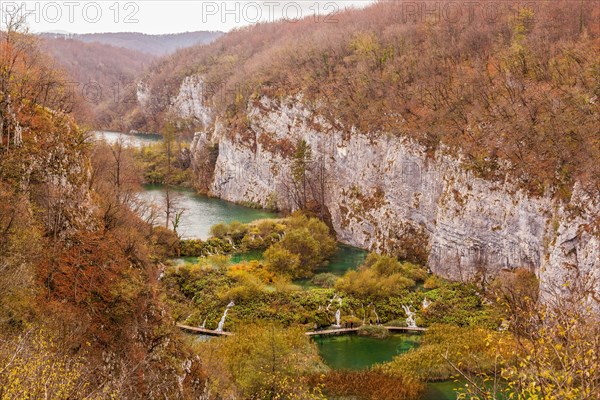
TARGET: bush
(262,361)
(306,239)
(325,280)
(282,261)
(371,385)
(376,331)
(467,347)
(459,304)
(379,277)
(433,282)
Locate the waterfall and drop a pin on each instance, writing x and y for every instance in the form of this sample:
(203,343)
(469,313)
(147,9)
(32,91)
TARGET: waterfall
(338,312)
(203,326)
(231,243)
(377,320)
(426,303)
(338,315)
(364,313)
(410,319)
(222,321)
(335,296)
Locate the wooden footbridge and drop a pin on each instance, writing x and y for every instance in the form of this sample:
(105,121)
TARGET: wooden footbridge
(203,331)
(338,331)
(341,331)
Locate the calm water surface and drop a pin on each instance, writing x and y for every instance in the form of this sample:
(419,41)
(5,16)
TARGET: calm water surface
(359,352)
(137,140)
(356,352)
(201,212)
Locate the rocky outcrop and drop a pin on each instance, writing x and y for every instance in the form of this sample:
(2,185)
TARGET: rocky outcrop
(385,193)
(190,101)
(188,105)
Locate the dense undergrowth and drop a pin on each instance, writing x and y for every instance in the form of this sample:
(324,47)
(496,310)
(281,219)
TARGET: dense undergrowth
(265,289)
(81,312)
(484,336)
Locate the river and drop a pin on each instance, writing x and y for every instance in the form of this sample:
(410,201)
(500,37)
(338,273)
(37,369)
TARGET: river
(137,140)
(339,352)
(201,212)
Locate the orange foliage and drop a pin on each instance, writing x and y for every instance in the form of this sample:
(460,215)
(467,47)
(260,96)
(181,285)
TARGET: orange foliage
(520,87)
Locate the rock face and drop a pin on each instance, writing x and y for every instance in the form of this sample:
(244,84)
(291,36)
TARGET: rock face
(385,193)
(189,103)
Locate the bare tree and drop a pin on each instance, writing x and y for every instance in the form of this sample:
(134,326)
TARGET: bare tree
(27,79)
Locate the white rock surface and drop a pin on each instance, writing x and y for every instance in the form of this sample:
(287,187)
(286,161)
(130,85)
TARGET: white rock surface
(382,187)
(190,102)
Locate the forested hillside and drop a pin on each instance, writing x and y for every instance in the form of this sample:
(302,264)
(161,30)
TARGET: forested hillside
(516,94)
(81,314)
(101,76)
(156,45)
(433,195)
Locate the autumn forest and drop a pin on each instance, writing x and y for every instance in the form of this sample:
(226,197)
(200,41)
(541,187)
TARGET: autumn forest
(227,215)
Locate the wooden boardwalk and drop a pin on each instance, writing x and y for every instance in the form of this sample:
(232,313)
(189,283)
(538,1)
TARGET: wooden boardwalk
(203,330)
(339,331)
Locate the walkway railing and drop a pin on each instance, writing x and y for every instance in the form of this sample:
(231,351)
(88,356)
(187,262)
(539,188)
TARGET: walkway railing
(348,330)
(338,331)
(203,330)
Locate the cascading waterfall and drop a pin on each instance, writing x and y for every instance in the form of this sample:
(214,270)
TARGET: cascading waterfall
(203,326)
(231,243)
(364,313)
(338,315)
(426,303)
(222,321)
(338,312)
(335,296)
(410,319)
(377,320)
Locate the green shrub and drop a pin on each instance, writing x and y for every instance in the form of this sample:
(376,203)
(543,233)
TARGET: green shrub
(467,347)
(326,280)
(459,304)
(379,277)
(306,239)
(282,261)
(376,331)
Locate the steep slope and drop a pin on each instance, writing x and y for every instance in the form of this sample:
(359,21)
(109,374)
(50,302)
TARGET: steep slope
(80,307)
(102,77)
(471,145)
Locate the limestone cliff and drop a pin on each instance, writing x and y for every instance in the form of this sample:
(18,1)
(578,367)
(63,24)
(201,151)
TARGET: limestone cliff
(385,193)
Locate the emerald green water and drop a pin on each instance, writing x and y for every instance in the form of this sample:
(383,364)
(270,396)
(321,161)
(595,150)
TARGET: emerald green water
(201,212)
(356,352)
(346,258)
(360,352)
